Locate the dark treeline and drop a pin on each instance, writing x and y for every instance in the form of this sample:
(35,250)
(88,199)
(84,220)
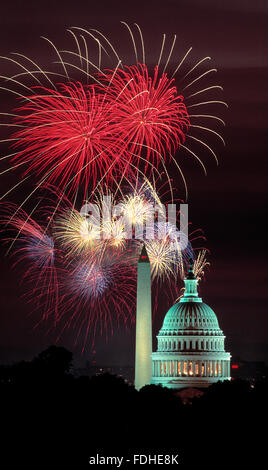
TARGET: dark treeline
(50,419)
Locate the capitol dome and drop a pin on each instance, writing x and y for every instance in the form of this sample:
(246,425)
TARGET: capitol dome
(190,351)
(190,315)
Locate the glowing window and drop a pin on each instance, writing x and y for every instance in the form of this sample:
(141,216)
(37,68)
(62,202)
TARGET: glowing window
(179,368)
(185,368)
(170,366)
(162,369)
(219,368)
(191,368)
(216,368)
(196,371)
(165,368)
(202,368)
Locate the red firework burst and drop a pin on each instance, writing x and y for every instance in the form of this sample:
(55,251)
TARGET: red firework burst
(151,116)
(80,135)
(67,137)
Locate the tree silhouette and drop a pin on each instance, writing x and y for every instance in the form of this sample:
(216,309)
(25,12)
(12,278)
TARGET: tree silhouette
(54,361)
(43,406)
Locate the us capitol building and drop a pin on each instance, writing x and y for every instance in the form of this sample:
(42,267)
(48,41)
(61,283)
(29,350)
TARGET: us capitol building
(190,344)
(190,350)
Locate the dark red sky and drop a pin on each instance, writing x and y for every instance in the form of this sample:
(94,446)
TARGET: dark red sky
(229,204)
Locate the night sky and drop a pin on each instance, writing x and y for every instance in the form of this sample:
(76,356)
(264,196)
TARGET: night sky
(229,204)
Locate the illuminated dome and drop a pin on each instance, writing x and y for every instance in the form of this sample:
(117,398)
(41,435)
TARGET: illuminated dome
(190,350)
(188,316)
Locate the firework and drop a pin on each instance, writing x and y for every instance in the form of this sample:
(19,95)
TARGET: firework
(127,121)
(136,209)
(67,137)
(200,264)
(151,116)
(79,232)
(109,127)
(82,274)
(91,280)
(35,249)
(74,233)
(38,246)
(99,295)
(165,252)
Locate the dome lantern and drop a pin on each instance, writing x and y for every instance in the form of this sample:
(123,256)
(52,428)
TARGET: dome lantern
(191,292)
